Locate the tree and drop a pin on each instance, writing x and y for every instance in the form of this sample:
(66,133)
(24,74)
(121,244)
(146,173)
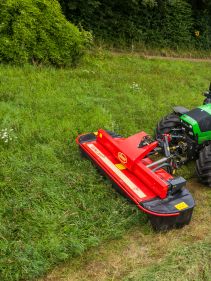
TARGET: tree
(159,23)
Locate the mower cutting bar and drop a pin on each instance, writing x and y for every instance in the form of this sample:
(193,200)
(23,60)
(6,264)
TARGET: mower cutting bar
(118,173)
(125,162)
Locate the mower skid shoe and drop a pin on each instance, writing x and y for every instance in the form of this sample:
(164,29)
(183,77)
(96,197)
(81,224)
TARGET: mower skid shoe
(167,223)
(135,181)
(175,211)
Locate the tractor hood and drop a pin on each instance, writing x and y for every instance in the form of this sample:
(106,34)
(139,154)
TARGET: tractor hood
(199,121)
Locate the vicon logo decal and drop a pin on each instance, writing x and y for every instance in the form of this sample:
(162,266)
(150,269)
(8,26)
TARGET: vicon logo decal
(122,158)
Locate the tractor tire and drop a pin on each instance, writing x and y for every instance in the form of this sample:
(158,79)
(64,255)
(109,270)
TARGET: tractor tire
(203,165)
(166,124)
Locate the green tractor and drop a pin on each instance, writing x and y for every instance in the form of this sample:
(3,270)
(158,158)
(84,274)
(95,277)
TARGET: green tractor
(190,136)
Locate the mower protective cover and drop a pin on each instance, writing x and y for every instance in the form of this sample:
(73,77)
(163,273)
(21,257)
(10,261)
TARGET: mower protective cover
(132,172)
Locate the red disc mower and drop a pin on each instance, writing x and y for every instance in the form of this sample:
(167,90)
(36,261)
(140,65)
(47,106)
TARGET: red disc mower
(142,169)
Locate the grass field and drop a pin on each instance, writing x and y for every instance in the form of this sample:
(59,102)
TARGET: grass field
(53,205)
(144,255)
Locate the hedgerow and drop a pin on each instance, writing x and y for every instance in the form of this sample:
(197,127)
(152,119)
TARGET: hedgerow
(37,31)
(155,23)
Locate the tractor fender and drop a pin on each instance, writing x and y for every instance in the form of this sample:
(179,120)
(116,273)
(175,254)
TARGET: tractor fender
(180,110)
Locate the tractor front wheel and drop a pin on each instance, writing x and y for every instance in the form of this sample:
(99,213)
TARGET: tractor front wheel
(203,165)
(166,124)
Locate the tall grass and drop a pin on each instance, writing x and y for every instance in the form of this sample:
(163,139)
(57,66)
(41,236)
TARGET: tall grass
(53,205)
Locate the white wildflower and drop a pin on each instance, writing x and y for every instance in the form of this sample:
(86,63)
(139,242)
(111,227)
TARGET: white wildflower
(135,86)
(7,135)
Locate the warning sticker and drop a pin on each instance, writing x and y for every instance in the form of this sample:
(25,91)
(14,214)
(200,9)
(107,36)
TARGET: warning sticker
(120,166)
(181,206)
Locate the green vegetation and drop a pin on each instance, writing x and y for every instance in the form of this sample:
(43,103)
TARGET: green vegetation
(37,32)
(53,204)
(143,255)
(139,24)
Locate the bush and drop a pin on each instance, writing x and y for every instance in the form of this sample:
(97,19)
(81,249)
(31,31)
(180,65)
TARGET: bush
(37,31)
(202,25)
